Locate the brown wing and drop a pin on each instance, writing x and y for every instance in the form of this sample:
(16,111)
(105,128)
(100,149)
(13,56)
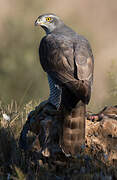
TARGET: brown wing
(67,64)
(55,56)
(84,61)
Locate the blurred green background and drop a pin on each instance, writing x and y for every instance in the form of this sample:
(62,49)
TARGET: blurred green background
(21,76)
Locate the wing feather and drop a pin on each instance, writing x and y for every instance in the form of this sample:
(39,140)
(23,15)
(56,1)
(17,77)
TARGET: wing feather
(68,64)
(84,61)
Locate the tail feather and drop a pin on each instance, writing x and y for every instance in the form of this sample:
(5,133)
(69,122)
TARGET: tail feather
(74,129)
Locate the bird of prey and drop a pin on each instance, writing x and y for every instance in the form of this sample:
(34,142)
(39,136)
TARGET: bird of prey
(67,59)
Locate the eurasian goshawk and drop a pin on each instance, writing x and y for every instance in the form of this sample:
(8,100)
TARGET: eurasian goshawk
(67,59)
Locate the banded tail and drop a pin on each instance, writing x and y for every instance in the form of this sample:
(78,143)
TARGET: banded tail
(74,129)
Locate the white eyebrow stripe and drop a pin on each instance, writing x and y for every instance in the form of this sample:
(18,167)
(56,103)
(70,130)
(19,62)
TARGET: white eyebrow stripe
(52,16)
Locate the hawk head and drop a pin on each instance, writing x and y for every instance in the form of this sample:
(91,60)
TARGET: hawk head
(49,22)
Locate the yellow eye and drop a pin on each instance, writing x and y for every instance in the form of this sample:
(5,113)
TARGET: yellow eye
(48,19)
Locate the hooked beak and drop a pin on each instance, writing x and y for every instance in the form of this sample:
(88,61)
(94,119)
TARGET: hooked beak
(38,22)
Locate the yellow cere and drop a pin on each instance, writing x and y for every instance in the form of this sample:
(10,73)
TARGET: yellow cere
(48,19)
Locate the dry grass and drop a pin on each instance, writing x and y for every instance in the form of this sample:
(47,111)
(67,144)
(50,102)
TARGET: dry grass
(19,165)
(13,162)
